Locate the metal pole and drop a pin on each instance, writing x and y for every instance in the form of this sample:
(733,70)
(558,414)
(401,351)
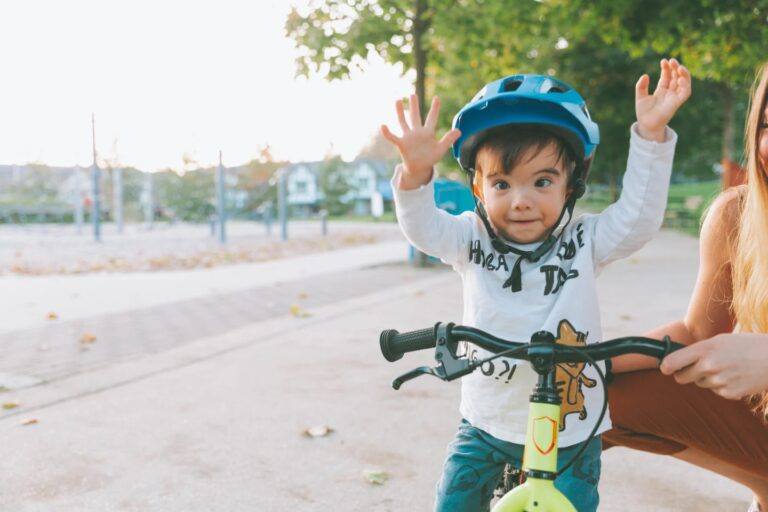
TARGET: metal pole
(221,210)
(96,181)
(149,201)
(324,221)
(282,207)
(79,213)
(268,218)
(117,198)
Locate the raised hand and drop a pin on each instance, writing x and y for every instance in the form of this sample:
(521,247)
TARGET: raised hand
(418,146)
(656,110)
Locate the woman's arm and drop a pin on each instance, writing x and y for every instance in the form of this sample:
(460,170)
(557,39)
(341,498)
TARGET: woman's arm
(709,312)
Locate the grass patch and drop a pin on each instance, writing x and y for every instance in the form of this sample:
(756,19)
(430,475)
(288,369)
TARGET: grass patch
(686,204)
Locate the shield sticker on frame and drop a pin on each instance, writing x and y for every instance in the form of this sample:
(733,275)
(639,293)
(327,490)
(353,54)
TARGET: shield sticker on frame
(544,434)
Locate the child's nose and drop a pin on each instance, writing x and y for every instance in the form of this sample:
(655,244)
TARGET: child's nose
(520,200)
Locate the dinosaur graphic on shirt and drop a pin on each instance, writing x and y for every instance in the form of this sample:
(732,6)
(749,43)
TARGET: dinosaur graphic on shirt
(569,377)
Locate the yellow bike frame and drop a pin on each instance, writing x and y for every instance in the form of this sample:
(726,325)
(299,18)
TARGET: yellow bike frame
(538,494)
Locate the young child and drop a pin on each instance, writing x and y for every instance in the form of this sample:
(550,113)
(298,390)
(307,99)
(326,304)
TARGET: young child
(527,142)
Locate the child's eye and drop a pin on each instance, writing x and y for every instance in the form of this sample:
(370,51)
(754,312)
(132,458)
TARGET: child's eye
(543,182)
(501,185)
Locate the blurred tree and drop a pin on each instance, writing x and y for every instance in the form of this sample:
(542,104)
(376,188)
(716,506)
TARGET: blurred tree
(188,197)
(379,148)
(601,47)
(336,36)
(256,178)
(720,41)
(334,185)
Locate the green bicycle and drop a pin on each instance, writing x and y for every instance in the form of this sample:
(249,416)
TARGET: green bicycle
(538,493)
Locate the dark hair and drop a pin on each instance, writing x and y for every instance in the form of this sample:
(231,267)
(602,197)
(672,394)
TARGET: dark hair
(507,145)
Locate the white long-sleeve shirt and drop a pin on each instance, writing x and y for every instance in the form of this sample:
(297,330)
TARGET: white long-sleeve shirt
(558,292)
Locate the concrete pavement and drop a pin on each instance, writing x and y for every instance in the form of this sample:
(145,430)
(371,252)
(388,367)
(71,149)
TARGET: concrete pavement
(191,406)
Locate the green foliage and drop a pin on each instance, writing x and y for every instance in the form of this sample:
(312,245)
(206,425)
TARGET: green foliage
(187,197)
(337,35)
(334,185)
(601,47)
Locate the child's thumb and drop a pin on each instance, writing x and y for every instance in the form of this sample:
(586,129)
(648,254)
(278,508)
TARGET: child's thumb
(641,87)
(449,138)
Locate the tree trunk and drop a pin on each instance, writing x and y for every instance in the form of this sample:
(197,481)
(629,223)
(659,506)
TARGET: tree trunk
(728,120)
(418,29)
(733,173)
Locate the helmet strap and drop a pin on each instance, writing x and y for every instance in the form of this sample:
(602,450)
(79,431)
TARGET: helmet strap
(514,282)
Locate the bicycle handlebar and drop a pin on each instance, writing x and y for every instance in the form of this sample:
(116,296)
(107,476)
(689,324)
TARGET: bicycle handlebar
(394,344)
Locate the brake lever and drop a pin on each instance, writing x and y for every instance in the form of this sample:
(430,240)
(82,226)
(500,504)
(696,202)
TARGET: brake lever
(449,366)
(417,372)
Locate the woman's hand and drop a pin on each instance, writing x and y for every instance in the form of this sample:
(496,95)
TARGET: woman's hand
(731,365)
(656,110)
(417,146)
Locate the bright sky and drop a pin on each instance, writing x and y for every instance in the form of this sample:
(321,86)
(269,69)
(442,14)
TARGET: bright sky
(169,77)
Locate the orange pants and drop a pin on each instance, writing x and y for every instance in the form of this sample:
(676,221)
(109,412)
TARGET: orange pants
(653,413)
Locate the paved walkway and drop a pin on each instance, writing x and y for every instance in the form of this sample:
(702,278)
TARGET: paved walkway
(58,349)
(198,401)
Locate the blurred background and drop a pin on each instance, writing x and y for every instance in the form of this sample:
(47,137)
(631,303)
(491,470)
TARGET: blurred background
(186,187)
(118,113)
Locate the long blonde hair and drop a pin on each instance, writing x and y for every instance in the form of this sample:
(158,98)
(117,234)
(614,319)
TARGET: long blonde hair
(750,262)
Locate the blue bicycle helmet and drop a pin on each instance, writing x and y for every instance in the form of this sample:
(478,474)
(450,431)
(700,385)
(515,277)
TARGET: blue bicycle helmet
(532,100)
(527,100)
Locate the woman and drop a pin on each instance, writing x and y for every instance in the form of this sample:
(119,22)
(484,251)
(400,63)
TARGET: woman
(725,431)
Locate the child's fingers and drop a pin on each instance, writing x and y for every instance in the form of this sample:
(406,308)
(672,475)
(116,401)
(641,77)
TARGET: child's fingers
(434,111)
(401,116)
(641,87)
(448,139)
(413,107)
(391,137)
(673,79)
(664,78)
(684,82)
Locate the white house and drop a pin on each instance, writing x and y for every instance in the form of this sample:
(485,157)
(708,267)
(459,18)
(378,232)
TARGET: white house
(367,178)
(303,187)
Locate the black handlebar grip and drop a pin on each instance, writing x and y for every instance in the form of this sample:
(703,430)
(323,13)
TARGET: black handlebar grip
(394,344)
(670,346)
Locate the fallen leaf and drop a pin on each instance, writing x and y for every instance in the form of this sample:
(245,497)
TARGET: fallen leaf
(29,421)
(375,476)
(318,431)
(87,338)
(298,312)
(625,317)
(52,316)
(11,405)
(303,295)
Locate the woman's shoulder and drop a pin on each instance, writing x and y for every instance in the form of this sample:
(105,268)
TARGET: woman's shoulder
(721,222)
(725,210)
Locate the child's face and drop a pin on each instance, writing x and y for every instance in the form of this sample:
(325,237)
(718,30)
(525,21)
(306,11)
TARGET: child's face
(523,205)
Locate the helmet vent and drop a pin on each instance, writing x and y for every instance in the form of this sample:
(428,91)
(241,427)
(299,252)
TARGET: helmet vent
(512,85)
(550,85)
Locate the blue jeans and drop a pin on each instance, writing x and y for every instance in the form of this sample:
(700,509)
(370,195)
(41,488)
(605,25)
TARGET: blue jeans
(476,460)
